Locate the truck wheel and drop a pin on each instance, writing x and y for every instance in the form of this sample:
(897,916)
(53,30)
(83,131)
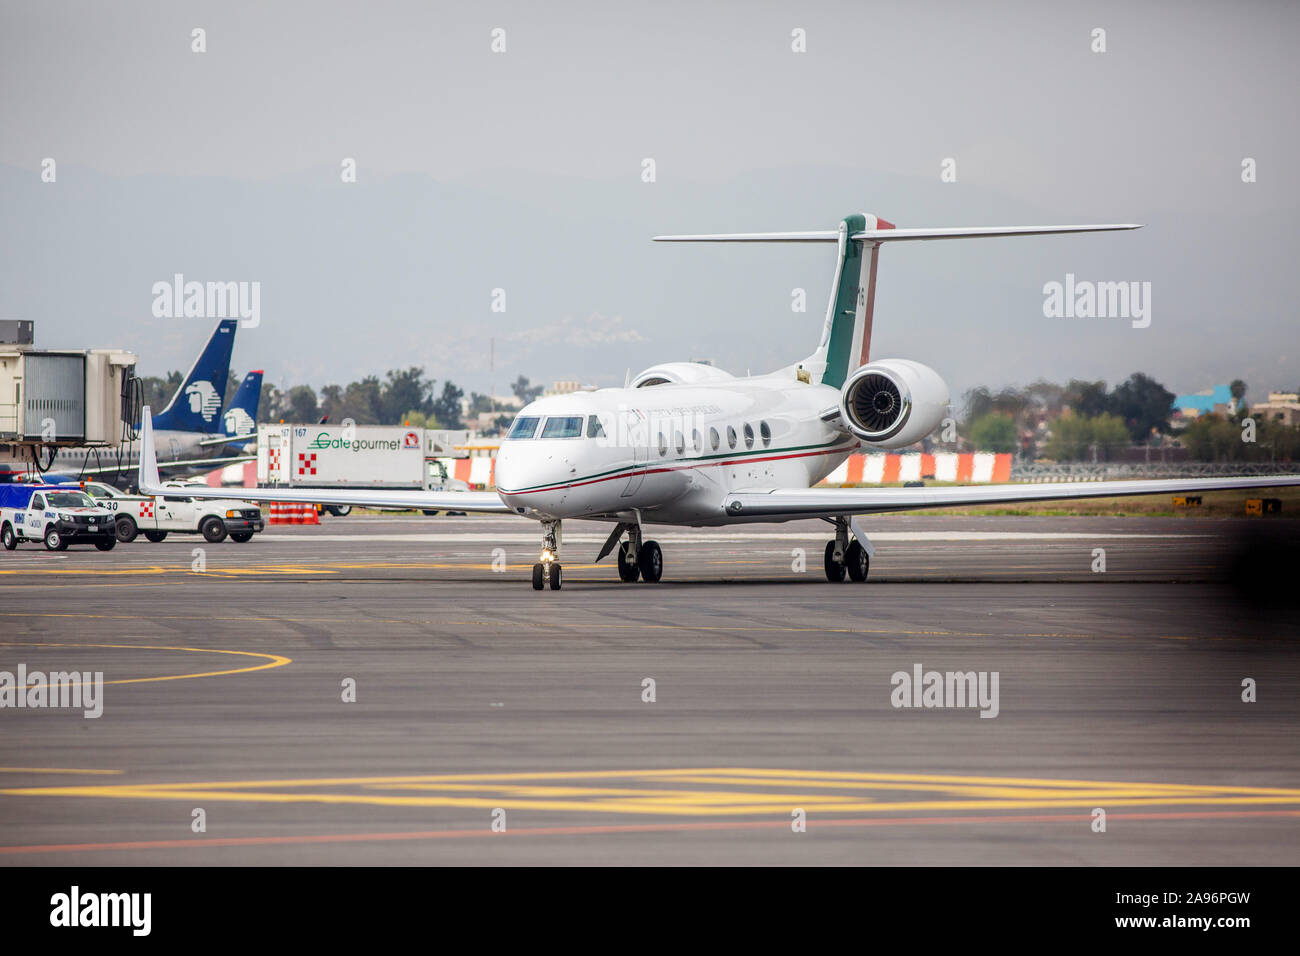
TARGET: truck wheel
(339,511)
(126,529)
(8,538)
(241,536)
(106,544)
(214,529)
(430,513)
(155,536)
(54,541)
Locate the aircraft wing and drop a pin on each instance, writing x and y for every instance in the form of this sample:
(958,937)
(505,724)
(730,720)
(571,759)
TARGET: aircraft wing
(784,503)
(226,440)
(169,465)
(150,483)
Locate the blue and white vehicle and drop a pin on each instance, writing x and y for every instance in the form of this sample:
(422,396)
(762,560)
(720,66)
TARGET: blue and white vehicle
(57,515)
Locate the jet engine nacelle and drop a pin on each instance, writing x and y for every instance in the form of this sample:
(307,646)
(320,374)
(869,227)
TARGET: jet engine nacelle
(893,402)
(679,373)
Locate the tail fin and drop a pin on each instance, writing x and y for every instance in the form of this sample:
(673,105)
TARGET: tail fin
(846,335)
(196,406)
(241,417)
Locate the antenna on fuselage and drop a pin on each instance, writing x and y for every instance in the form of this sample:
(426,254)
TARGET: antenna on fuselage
(627,379)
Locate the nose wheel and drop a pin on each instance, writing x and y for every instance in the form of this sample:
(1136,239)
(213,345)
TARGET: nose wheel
(548,572)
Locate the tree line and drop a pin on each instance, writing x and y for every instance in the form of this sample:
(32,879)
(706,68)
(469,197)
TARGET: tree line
(402,396)
(1086,420)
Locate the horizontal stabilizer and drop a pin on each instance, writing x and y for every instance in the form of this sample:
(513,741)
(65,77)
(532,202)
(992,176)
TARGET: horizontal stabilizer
(900,235)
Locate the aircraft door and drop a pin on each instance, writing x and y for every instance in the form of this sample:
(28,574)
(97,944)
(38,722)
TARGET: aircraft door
(636,430)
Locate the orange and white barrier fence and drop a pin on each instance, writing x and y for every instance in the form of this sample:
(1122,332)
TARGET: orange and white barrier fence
(868,469)
(284,512)
(479,472)
(875,469)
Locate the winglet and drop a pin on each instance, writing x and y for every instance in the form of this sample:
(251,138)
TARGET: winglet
(147,479)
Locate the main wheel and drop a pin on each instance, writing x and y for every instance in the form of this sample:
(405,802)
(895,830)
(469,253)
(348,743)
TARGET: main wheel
(107,544)
(627,568)
(241,536)
(651,562)
(55,541)
(126,529)
(857,562)
(834,569)
(8,538)
(155,536)
(557,578)
(537,576)
(214,529)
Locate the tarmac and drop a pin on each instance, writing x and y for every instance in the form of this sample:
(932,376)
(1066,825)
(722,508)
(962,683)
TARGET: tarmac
(741,711)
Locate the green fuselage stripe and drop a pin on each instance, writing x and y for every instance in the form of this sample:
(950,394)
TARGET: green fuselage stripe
(644,465)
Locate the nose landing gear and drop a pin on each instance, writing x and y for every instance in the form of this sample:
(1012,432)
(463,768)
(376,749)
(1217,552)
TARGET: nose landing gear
(547,571)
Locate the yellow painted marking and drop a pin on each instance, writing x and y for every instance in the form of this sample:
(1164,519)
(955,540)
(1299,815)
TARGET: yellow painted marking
(678,792)
(274,660)
(53,770)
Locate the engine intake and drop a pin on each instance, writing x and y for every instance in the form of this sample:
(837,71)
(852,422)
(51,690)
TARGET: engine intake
(894,402)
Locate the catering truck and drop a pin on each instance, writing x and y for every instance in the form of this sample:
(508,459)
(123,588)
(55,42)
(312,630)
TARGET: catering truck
(349,456)
(214,518)
(58,515)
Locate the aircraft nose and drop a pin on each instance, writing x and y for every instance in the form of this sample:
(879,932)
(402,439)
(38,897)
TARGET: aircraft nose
(506,469)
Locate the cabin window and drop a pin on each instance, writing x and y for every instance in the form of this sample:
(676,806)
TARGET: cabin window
(679,442)
(696,441)
(563,427)
(765,433)
(525,426)
(38,503)
(714,438)
(663,445)
(749,435)
(594,429)
(731,437)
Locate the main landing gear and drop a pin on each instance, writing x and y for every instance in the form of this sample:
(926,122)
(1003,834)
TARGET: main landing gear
(846,554)
(636,558)
(548,571)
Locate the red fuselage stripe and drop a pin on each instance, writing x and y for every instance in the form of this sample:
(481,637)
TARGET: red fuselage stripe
(633,472)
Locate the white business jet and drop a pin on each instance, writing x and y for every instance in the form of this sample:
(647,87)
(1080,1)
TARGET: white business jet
(688,444)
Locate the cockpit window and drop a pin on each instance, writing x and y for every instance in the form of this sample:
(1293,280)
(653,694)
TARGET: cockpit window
(562,427)
(594,429)
(524,427)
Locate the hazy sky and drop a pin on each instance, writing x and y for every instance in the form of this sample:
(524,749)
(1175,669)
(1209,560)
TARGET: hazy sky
(522,171)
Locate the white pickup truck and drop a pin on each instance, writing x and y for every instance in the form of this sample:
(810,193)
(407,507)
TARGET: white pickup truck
(57,515)
(155,517)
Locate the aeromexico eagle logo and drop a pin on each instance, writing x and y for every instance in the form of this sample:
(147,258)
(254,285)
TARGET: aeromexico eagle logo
(239,422)
(203,399)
